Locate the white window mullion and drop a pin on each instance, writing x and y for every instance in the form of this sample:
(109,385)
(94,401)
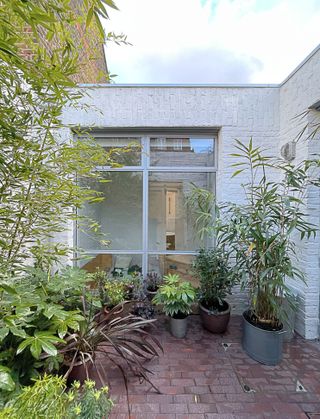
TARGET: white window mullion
(145,203)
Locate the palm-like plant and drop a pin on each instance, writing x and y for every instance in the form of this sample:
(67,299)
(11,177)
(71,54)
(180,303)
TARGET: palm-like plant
(122,340)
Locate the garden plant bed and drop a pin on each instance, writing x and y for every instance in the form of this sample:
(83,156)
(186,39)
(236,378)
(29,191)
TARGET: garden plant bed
(209,376)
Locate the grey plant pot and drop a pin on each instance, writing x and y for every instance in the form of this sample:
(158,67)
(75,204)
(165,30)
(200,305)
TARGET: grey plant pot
(261,345)
(178,327)
(289,322)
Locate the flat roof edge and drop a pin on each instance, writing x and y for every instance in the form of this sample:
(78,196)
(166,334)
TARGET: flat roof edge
(308,57)
(201,129)
(151,85)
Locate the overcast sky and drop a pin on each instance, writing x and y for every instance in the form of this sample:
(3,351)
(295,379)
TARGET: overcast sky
(211,41)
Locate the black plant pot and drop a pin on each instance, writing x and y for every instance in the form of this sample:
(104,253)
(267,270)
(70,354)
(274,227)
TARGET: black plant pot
(151,295)
(215,322)
(264,346)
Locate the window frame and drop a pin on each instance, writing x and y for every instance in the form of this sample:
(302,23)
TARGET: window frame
(146,169)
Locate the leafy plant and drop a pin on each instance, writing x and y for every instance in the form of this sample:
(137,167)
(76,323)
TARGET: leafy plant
(6,381)
(32,322)
(116,292)
(138,289)
(260,232)
(144,310)
(48,397)
(89,402)
(176,296)
(65,287)
(205,211)
(153,281)
(212,267)
(123,341)
(39,192)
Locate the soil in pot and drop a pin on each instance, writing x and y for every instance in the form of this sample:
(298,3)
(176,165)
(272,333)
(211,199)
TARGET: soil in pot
(215,320)
(178,325)
(264,325)
(262,341)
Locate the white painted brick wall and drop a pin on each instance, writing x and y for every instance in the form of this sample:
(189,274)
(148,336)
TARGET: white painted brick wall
(263,113)
(297,94)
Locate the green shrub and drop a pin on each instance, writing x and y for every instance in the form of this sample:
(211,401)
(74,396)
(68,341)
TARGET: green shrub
(35,315)
(48,398)
(216,277)
(176,296)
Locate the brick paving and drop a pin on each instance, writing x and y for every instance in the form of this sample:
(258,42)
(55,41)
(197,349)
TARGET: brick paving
(206,376)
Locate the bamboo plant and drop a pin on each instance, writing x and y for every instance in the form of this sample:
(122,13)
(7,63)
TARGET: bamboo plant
(262,232)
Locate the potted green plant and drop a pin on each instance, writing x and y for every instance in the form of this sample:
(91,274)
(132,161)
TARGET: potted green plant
(176,297)
(113,292)
(259,233)
(212,265)
(216,280)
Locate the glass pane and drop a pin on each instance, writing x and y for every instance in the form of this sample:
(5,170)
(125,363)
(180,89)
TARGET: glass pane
(114,265)
(131,157)
(171,221)
(173,264)
(182,151)
(120,214)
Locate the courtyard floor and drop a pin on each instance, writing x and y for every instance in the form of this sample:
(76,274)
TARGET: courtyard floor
(208,376)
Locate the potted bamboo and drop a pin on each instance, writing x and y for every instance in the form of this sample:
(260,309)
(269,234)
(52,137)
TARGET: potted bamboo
(212,266)
(176,299)
(259,233)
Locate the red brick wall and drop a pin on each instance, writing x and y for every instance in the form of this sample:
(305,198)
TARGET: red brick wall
(92,63)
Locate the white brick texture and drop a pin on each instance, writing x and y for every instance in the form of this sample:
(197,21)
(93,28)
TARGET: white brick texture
(265,113)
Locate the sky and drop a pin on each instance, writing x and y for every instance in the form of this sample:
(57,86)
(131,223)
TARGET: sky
(211,41)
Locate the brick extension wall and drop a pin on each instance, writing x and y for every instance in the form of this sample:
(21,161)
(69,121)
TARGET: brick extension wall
(264,112)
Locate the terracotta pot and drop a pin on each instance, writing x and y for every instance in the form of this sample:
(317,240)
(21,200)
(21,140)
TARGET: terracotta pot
(80,372)
(123,311)
(215,322)
(89,370)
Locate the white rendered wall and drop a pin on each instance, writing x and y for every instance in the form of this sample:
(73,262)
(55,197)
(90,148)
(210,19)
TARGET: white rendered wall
(261,112)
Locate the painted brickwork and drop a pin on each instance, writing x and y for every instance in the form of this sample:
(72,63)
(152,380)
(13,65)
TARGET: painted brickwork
(262,112)
(300,91)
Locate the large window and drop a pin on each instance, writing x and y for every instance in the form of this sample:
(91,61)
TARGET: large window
(145,217)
